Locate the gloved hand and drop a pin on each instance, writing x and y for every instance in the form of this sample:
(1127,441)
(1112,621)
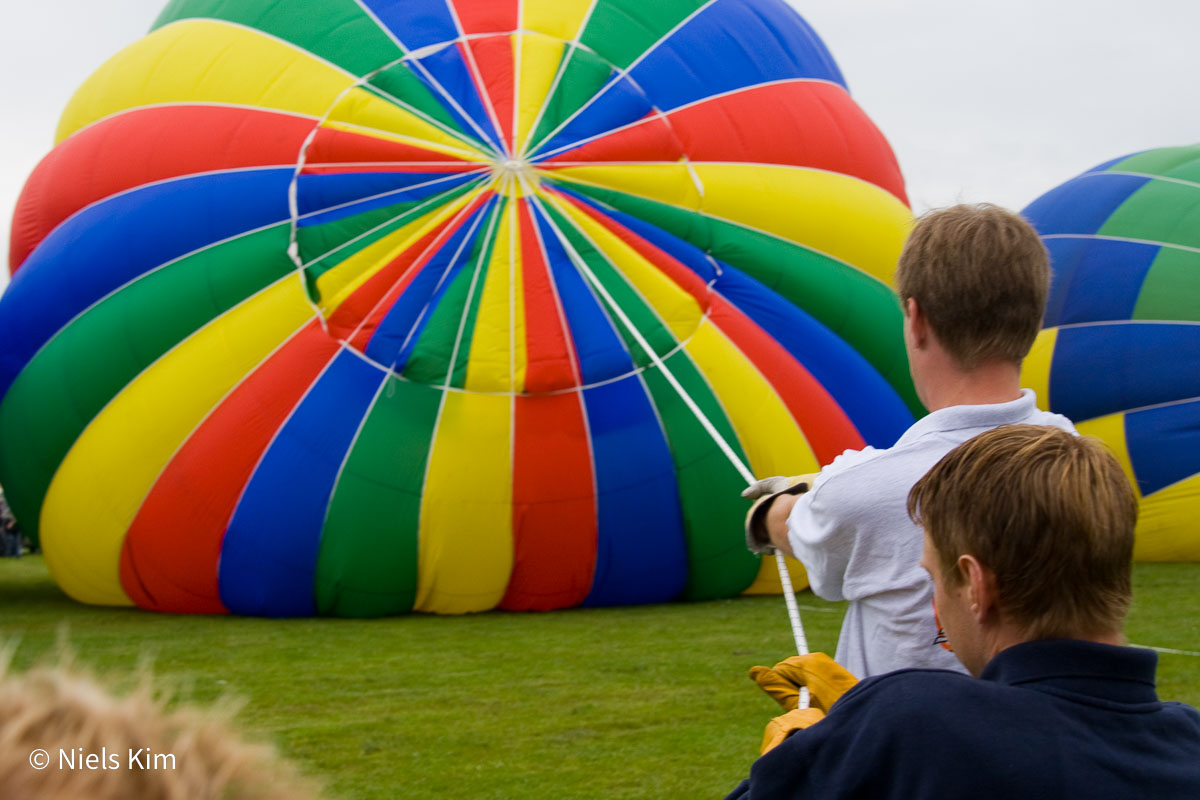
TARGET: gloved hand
(785,725)
(826,680)
(758,540)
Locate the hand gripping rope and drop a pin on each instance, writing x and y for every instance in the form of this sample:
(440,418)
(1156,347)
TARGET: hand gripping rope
(789,595)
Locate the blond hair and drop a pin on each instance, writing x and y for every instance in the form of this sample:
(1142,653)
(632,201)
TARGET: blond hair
(980,275)
(1050,513)
(61,708)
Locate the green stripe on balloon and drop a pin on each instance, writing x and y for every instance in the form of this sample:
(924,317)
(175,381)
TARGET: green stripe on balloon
(860,309)
(1160,211)
(323,247)
(367,566)
(94,357)
(718,565)
(456,311)
(1171,289)
(1179,162)
(622,30)
(583,75)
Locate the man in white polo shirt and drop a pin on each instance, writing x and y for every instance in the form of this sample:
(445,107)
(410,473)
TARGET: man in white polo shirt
(973,282)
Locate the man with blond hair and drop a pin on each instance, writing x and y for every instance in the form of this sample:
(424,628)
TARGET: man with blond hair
(1028,539)
(972,281)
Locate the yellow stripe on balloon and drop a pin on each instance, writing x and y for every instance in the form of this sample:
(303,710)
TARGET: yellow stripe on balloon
(112,466)
(561,19)
(539,57)
(465,554)
(1110,429)
(773,442)
(670,183)
(672,304)
(1166,523)
(208,61)
(339,283)
(1035,369)
(497,355)
(841,216)
(359,111)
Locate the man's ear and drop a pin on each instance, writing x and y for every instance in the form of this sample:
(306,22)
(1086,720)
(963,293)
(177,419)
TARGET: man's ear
(916,321)
(981,586)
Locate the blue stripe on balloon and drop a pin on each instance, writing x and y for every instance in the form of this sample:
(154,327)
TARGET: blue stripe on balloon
(109,244)
(1164,444)
(641,554)
(398,332)
(1095,280)
(730,45)
(1081,205)
(869,401)
(448,67)
(599,348)
(269,556)
(1113,162)
(359,192)
(1102,369)
(619,103)
(415,23)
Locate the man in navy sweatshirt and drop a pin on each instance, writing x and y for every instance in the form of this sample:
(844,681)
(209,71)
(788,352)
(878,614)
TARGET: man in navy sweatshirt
(1029,541)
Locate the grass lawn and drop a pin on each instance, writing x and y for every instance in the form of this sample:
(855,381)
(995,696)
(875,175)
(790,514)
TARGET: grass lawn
(649,702)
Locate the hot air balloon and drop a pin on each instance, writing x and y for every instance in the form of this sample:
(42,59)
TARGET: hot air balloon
(1120,351)
(360,308)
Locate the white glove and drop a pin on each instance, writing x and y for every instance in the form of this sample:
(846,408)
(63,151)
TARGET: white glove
(758,540)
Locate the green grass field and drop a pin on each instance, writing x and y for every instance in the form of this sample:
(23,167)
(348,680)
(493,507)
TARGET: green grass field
(648,702)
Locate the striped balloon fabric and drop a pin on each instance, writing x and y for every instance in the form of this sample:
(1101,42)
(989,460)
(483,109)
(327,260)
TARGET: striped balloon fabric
(1120,353)
(359,307)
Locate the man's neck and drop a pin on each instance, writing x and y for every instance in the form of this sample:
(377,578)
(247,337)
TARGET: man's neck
(993,382)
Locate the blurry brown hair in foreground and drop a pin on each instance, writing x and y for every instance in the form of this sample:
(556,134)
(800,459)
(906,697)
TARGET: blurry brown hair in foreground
(61,708)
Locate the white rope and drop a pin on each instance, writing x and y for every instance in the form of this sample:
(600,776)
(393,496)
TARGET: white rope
(789,595)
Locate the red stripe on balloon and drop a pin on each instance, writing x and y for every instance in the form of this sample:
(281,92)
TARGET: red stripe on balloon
(494,58)
(554,507)
(826,130)
(548,363)
(171,554)
(143,146)
(648,139)
(359,316)
(332,146)
(826,427)
(487,16)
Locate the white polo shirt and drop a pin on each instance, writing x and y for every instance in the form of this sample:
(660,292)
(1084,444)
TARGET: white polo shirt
(853,534)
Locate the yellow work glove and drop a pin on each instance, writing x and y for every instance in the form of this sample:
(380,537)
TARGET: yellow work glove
(826,680)
(758,540)
(785,725)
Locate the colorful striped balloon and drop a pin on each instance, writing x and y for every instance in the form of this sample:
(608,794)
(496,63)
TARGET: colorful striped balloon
(1120,353)
(358,307)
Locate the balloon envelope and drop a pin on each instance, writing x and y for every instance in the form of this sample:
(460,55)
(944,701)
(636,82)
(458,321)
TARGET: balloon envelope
(357,308)
(1120,352)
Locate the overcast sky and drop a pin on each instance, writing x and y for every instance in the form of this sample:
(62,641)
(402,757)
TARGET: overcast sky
(981,101)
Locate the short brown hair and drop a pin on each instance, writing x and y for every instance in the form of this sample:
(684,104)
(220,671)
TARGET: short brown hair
(980,274)
(1050,513)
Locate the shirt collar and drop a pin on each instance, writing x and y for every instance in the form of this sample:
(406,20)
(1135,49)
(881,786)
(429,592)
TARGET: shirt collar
(987,415)
(1110,672)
